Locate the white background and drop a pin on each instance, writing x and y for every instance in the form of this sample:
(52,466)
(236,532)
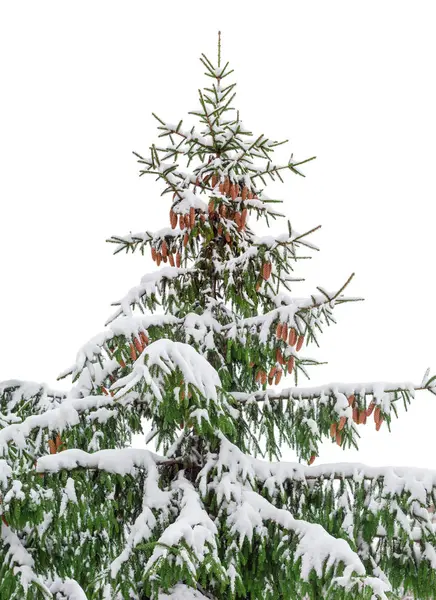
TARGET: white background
(349,82)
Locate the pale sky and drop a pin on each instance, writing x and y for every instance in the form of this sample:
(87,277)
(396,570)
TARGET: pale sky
(350,82)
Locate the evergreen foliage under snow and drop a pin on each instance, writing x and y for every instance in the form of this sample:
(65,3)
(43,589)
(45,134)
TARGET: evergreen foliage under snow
(197,349)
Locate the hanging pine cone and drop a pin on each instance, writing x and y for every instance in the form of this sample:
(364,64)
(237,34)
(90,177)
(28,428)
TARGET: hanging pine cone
(178,260)
(173,219)
(214,180)
(153,253)
(279,330)
(182,222)
(158,258)
(187,221)
(266,270)
(342,422)
(138,344)
(291,362)
(278,376)
(333,430)
(185,240)
(244,215)
(379,424)
(279,356)
(292,337)
(164,249)
(377,415)
(171,259)
(370,409)
(192,217)
(226,186)
(356,415)
(144,338)
(244,192)
(285,332)
(299,342)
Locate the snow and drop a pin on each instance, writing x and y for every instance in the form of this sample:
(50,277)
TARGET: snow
(122,461)
(5,473)
(149,286)
(154,501)
(193,525)
(181,592)
(23,562)
(70,589)
(57,419)
(380,391)
(169,356)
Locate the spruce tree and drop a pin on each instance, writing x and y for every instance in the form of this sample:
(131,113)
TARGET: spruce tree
(197,351)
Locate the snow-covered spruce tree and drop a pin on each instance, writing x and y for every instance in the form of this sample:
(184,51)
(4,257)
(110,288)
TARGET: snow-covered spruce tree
(85,516)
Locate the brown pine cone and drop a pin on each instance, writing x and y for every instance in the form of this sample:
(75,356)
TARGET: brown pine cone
(138,344)
(370,409)
(244,215)
(173,219)
(292,337)
(299,342)
(265,271)
(144,338)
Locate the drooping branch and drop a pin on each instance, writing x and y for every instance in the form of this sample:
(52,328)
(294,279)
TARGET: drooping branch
(377,390)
